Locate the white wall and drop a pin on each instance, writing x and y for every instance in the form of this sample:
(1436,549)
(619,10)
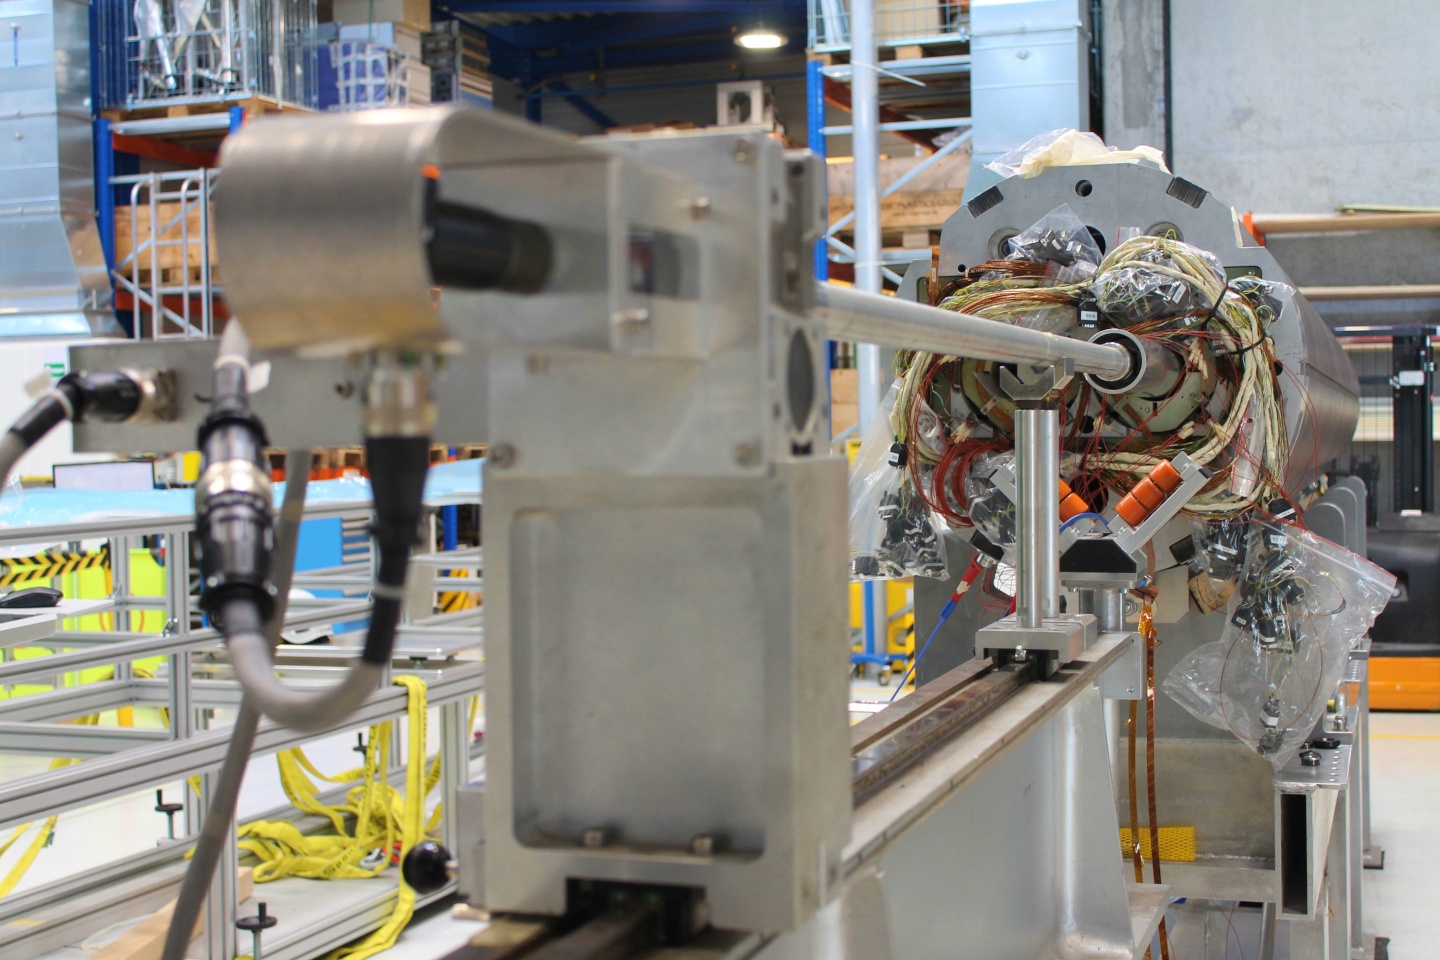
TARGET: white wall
(1287,105)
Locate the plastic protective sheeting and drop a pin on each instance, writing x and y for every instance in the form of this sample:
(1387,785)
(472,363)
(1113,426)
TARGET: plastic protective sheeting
(893,532)
(1061,240)
(1067,148)
(1301,606)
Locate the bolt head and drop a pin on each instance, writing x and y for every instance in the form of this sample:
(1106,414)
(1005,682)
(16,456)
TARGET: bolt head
(595,837)
(703,845)
(743,151)
(700,207)
(747,454)
(502,455)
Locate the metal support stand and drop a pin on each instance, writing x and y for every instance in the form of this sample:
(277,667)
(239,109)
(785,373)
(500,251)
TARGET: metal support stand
(454,765)
(1413,367)
(1038,626)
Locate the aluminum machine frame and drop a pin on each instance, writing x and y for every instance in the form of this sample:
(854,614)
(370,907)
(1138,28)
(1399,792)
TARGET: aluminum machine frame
(630,324)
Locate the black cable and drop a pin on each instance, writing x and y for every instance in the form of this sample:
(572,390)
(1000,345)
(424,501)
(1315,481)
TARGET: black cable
(1169,82)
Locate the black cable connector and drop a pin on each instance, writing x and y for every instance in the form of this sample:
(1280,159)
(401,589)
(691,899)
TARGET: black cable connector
(398,466)
(233,501)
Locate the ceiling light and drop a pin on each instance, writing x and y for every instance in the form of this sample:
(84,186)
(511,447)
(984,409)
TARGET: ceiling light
(761,38)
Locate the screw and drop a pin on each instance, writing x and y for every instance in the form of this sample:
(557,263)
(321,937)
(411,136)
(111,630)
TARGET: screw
(747,454)
(261,921)
(502,455)
(595,837)
(344,389)
(1021,654)
(743,153)
(700,207)
(169,809)
(703,845)
(633,320)
(1309,758)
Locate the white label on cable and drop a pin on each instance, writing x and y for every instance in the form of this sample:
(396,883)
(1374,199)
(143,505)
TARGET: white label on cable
(1411,378)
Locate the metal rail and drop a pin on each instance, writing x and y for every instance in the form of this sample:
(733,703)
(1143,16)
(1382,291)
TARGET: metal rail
(861,317)
(946,707)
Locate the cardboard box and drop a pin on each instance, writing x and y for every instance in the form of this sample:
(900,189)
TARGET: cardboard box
(844,386)
(416,13)
(901,211)
(843,416)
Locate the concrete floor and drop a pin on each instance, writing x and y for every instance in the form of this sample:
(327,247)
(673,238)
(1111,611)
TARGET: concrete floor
(1400,901)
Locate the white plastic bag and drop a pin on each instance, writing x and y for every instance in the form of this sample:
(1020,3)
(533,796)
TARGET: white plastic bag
(1067,148)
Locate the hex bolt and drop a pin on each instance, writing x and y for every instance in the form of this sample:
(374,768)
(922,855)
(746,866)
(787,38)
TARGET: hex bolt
(261,921)
(502,455)
(169,809)
(632,320)
(1325,743)
(700,207)
(1021,654)
(1309,758)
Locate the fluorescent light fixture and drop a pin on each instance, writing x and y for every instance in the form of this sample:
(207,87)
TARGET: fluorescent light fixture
(761,38)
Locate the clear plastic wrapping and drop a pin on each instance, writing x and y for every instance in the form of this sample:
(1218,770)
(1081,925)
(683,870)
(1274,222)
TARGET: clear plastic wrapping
(1164,282)
(893,532)
(991,511)
(1302,604)
(1267,297)
(1062,240)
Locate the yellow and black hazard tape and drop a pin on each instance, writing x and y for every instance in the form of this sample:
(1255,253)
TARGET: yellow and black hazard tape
(55,563)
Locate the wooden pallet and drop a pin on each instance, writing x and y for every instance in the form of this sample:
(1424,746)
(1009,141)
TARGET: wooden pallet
(254,106)
(174,277)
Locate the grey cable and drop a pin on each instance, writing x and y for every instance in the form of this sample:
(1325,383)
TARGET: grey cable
(219,817)
(304,710)
(12,448)
(250,649)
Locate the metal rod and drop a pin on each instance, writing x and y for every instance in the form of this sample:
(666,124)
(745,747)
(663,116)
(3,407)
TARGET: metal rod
(1037,453)
(851,315)
(895,126)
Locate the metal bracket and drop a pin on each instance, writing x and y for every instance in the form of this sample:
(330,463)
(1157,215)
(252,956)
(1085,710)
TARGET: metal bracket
(1065,636)
(1037,382)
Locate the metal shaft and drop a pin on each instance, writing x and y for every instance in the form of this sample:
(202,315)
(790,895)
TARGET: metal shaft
(1108,606)
(855,316)
(1037,454)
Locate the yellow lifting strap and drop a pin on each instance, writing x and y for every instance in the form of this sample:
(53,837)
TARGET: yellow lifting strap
(382,817)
